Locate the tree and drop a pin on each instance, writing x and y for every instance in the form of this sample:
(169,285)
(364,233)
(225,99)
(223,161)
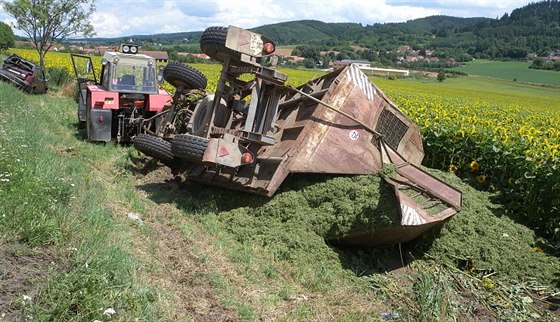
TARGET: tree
(538,63)
(441,76)
(46,21)
(309,63)
(6,36)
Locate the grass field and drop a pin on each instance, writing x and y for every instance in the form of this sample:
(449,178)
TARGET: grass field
(69,252)
(510,70)
(480,88)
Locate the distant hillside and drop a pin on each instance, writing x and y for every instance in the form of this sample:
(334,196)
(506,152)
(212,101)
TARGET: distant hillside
(308,31)
(191,37)
(532,28)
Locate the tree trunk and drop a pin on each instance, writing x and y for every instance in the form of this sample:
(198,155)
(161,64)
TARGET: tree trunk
(41,51)
(42,60)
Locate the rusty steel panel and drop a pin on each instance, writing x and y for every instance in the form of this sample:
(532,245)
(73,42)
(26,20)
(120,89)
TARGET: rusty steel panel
(431,184)
(384,236)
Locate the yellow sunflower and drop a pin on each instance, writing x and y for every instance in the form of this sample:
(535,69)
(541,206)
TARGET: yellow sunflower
(474,165)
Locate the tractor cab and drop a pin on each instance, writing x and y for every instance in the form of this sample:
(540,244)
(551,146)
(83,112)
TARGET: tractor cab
(126,71)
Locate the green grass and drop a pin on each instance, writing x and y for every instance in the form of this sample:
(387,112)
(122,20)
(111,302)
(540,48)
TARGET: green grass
(261,259)
(51,198)
(510,70)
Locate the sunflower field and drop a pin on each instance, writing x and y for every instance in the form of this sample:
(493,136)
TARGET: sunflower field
(509,144)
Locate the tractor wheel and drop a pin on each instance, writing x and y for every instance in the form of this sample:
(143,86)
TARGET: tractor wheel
(189,147)
(213,44)
(182,75)
(201,117)
(154,146)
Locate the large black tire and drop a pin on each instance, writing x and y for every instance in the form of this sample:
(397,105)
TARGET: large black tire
(154,146)
(213,44)
(189,147)
(182,75)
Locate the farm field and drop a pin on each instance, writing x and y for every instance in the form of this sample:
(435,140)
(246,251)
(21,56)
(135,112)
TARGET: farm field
(510,70)
(480,88)
(203,252)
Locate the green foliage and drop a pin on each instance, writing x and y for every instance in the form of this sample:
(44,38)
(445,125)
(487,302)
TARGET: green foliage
(433,289)
(531,28)
(441,76)
(51,201)
(48,21)
(540,63)
(307,31)
(58,75)
(7,39)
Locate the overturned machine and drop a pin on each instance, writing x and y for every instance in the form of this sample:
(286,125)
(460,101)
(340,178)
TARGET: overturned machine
(254,131)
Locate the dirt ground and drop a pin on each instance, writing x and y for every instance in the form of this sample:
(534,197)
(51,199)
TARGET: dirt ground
(21,270)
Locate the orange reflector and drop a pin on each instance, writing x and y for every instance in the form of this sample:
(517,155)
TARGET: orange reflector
(246,157)
(268,48)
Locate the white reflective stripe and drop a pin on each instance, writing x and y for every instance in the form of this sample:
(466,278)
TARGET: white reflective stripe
(410,217)
(360,79)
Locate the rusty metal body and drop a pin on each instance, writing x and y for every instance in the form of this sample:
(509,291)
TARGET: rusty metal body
(250,135)
(313,136)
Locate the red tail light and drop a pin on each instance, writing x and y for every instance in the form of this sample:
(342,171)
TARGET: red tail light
(247,157)
(268,48)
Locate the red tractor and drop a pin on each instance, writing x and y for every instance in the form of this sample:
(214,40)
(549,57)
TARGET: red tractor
(127,100)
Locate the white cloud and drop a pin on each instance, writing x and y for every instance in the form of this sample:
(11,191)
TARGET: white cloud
(128,17)
(108,25)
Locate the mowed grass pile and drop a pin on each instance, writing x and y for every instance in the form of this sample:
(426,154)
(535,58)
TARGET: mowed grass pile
(52,202)
(479,258)
(293,227)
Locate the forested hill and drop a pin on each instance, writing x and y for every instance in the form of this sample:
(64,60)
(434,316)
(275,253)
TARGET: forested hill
(532,28)
(310,31)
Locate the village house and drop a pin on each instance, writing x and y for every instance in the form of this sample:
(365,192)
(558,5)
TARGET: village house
(552,59)
(159,56)
(200,56)
(403,49)
(294,59)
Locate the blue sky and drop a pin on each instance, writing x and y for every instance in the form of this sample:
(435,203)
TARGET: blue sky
(115,18)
